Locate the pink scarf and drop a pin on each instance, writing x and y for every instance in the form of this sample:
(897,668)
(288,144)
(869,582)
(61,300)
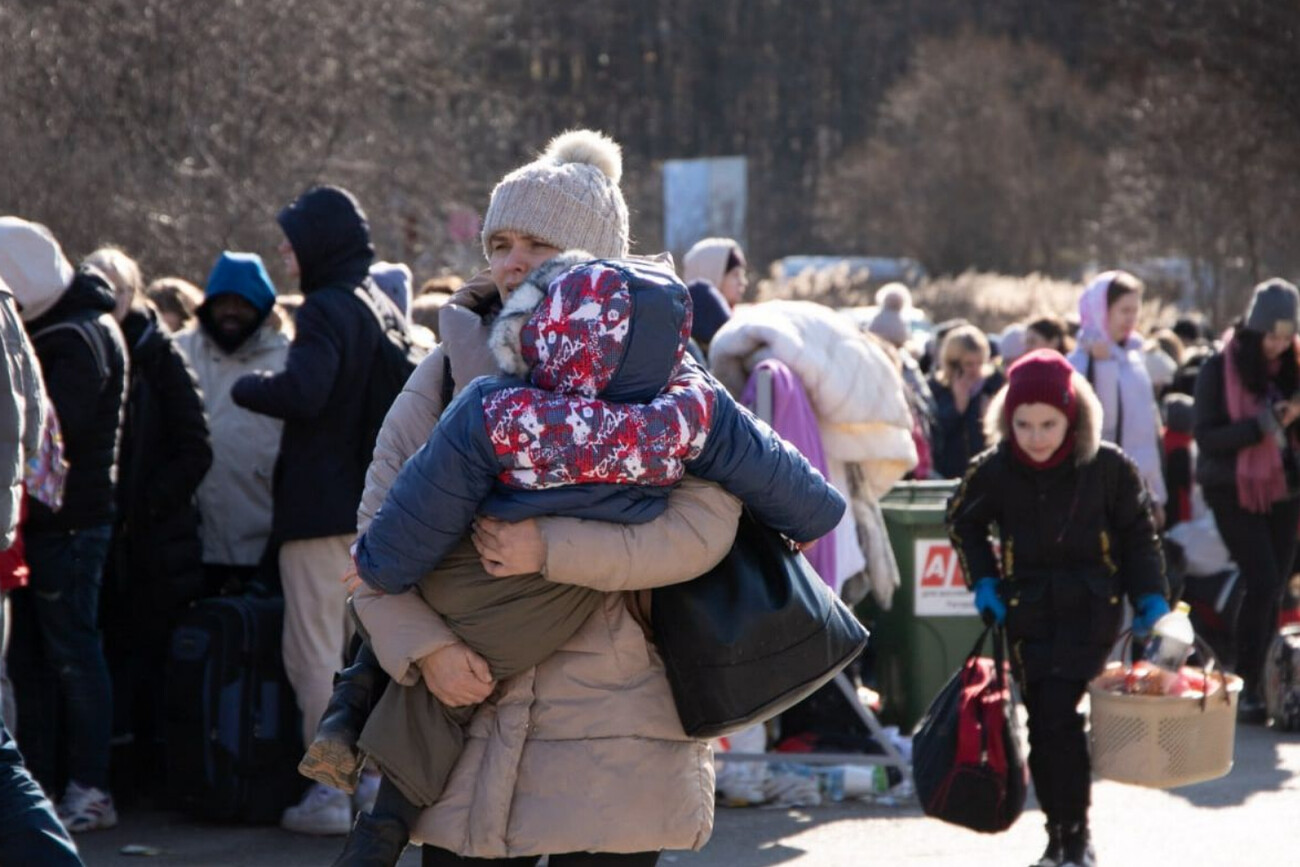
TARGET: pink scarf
(1261,481)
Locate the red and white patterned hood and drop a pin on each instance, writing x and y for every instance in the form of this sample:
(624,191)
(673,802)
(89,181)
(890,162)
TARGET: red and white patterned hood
(615,329)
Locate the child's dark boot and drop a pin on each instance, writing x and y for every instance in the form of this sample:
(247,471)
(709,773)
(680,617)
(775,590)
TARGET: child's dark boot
(1054,852)
(375,841)
(332,758)
(1076,846)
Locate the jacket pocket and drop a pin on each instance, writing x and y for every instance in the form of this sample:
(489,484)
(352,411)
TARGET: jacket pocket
(1105,609)
(1029,609)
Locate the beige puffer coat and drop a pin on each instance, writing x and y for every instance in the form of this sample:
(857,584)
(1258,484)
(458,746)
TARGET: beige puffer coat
(235,495)
(584,752)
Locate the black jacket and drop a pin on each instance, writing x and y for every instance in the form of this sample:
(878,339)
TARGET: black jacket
(956,437)
(1074,538)
(320,394)
(84,363)
(166,451)
(1218,437)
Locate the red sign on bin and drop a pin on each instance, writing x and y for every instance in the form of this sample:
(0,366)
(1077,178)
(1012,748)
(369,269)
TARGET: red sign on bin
(940,587)
(941,568)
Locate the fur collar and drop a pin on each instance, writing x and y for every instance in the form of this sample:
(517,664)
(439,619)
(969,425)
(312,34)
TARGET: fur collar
(1087,426)
(504,340)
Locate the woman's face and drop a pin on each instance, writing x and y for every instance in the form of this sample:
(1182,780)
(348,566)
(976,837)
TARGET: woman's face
(968,365)
(1275,344)
(1039,429)
(733,285)
(512,256)
(1122,316)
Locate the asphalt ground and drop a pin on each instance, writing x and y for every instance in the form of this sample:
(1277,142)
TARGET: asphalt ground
(1251,816)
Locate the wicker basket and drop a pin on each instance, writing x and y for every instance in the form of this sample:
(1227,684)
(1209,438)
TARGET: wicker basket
(1163,741)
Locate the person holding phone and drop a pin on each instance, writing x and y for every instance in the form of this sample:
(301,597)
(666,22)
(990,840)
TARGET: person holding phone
(962,384)
(1247,406)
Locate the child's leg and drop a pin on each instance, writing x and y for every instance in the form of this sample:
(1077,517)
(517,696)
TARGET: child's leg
(514,623)
(415,740)
(378,837)
(332,757)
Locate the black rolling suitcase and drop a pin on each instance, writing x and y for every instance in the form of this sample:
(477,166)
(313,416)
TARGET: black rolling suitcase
(233,737)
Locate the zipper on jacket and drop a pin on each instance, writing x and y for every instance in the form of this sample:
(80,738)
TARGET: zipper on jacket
(1105,553)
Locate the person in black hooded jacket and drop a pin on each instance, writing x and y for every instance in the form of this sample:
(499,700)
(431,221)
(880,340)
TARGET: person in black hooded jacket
(324,451)
(58,668)
(155,566)
(1076,535)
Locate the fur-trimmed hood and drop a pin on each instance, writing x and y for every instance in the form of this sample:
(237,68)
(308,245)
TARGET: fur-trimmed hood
(616,329)
(1087,426)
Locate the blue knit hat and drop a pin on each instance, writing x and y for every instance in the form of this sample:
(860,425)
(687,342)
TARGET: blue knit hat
(242,274)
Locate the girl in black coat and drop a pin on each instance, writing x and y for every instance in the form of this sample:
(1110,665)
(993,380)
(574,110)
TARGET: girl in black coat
(1247,409)
(1074,523)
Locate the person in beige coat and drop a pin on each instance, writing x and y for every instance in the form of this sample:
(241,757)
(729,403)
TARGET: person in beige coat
(237,333)
(582,758)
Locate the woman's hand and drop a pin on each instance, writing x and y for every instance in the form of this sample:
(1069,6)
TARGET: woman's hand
(457,676)
(506,548)
(1099,349)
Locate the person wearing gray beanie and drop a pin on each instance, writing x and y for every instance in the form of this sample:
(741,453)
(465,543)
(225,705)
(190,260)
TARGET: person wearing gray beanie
(1247,424)
(1273,308)
(568,197)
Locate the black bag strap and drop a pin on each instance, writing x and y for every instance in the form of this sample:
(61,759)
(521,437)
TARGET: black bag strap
(448,383)
(1089,374)
(999,641)
(91,335)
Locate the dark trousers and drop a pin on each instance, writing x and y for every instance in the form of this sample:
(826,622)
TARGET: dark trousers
(1058,749)
(1263,547)
(56,659)
(434,857)
(30,832)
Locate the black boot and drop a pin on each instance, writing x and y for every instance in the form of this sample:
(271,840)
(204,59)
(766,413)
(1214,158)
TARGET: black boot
(1251,709)
(1076,846)
(332,758)
(375,841)
(1054,852)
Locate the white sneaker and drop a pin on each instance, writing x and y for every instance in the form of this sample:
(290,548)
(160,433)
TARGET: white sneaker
(322,811)
(363,799)
(85,808)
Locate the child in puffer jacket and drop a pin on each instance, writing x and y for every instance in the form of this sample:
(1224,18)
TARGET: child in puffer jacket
(600,414)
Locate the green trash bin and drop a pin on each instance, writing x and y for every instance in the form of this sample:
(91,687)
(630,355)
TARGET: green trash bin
(932,624)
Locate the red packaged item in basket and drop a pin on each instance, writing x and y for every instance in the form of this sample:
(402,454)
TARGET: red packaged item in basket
(1188,682)
(1145,679)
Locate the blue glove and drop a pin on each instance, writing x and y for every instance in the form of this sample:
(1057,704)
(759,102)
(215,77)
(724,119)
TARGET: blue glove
(1146,611)
(989,604)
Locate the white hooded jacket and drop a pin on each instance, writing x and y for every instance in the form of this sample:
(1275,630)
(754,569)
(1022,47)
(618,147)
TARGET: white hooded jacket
(1130,416)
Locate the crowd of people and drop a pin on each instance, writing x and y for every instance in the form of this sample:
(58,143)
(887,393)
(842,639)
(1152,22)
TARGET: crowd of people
(168,443)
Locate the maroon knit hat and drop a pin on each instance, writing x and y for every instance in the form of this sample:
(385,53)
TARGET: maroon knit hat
(1042,376)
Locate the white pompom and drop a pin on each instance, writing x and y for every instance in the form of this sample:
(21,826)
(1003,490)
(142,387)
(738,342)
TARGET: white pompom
(590,147)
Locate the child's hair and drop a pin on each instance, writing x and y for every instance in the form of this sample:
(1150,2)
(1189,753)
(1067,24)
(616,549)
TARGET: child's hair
(962,340)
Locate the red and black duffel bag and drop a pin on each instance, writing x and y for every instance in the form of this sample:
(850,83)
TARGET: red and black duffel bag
(967,761)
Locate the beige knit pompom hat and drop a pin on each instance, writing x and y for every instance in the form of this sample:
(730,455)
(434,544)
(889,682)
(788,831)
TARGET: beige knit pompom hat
(569,197)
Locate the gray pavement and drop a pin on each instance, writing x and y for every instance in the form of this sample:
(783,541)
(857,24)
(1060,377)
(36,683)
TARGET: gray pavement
(1250,816)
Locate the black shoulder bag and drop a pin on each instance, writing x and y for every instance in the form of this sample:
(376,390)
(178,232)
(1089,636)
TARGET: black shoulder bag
(753,636)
